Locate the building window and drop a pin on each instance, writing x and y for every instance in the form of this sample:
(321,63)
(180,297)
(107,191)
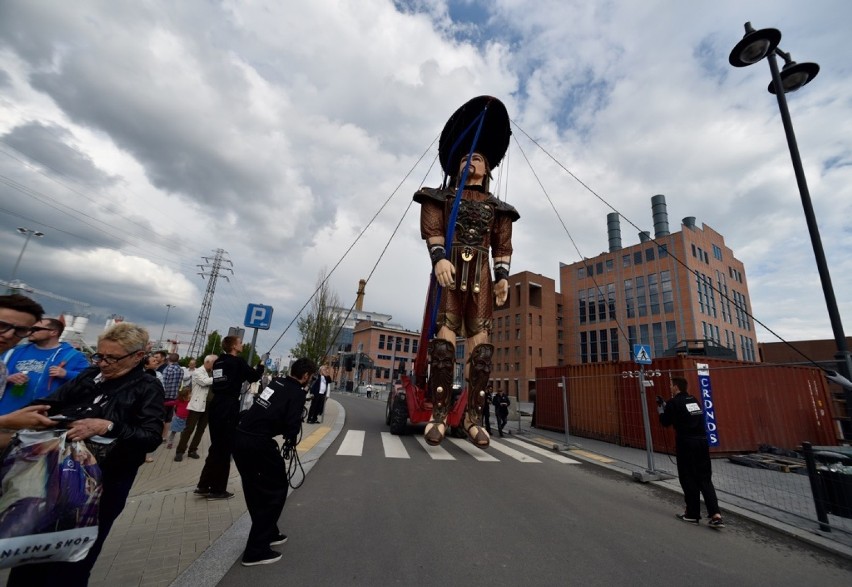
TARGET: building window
(593,346)
(414,344)
(671,334)
(592,305)
(628,298)
(381,341)
(666,288)
(663,251)
(625,261)
(717,252)
(653,294)
(649,254)
(581,273)
(694,254)
(584,348)
(643,334)
(599,266)
(613,343)
(631,340)
(657,331)
(517,334)
(601,305)
(610,295)
(604,348)
(406,347)
(641,302)
(637,258)
(609,264)
(581,300)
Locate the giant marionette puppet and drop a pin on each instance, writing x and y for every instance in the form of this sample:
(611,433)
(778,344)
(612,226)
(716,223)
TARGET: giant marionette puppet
(464,226)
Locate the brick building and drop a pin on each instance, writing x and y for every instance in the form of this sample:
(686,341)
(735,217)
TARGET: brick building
(527,333)
(681,292)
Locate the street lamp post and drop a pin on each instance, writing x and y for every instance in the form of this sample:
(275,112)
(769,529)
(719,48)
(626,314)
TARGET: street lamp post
(753,47)
(30,233)
(163,331)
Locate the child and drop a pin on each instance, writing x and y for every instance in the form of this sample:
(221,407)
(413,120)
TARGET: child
(181,413)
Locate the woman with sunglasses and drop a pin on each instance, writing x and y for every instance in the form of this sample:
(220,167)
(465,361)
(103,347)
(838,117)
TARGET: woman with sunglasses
(117,400)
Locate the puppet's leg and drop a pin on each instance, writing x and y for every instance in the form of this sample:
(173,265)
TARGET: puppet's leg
(442,361)
(479,373)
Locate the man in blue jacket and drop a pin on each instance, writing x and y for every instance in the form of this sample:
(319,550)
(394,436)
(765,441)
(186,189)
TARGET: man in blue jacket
(38,368)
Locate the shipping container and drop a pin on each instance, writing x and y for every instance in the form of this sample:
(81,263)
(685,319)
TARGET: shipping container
(750,404)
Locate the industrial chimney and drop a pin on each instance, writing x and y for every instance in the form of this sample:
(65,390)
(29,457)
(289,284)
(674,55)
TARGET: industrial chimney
(359,298)
(613,228)
(661,216)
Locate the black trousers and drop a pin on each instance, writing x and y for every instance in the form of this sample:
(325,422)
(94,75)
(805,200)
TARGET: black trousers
(264,475)
(696,476)
(116,488)
(501,420)
(197,421)
(223,419)
(317,407)
(486,421)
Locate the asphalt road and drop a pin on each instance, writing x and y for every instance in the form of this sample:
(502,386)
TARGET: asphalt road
(374,520)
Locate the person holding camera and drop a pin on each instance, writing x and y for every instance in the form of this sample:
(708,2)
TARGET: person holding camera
(276,411)
(694,470)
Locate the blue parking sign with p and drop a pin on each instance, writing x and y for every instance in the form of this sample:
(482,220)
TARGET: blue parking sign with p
(258,316)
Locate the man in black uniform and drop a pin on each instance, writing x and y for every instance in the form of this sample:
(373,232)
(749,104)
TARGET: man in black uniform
(693,453)
(501,409)
(229,372)
(277,410)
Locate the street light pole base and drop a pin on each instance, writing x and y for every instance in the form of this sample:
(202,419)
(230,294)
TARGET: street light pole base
(648,476)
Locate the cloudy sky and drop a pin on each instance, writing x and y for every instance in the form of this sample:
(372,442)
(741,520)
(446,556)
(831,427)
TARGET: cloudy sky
(142,136)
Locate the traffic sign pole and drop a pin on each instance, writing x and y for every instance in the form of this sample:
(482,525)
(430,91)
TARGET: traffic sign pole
(649,443)
(642,356)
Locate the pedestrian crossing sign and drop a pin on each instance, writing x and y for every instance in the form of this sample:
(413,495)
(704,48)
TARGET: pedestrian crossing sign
(642,354)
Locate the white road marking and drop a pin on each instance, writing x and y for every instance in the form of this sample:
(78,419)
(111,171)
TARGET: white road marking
(543,452)
(477,453)
(352,445)
(394,449)
(435,452)
(515,454)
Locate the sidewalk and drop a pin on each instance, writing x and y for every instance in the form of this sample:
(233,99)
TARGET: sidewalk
(164,528)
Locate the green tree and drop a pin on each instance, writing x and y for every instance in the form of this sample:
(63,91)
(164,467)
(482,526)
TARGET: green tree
(213,346)
(320,326)
(249,354)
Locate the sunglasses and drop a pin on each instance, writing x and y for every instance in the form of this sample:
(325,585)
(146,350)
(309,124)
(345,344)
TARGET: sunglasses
(109,359)
(19,331)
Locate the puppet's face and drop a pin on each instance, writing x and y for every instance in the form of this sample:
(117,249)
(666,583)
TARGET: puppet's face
(477,168)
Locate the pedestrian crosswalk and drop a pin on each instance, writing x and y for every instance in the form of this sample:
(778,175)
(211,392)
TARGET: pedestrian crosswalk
(452,449)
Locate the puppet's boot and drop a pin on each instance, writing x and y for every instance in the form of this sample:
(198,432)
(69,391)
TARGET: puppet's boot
(478,375)
(442,362)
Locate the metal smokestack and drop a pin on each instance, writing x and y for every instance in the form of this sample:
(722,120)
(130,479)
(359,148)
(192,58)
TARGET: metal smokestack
(661,216)
(644,236)
(689,222)
(613,229)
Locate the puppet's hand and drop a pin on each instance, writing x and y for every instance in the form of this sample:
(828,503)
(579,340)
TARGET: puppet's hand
(445,273)
(501,291)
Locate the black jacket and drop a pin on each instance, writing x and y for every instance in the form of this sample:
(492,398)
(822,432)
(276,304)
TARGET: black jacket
(132,402)
(229,374)
(277,410)
(684,413)
(501,404)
